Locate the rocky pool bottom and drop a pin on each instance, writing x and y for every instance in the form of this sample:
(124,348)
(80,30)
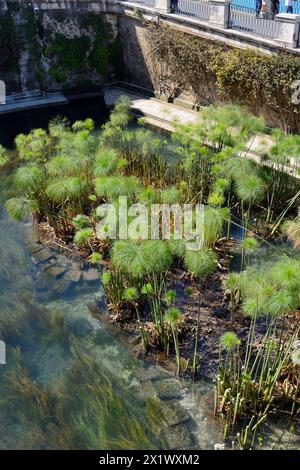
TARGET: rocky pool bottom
(72,383)
(68,382)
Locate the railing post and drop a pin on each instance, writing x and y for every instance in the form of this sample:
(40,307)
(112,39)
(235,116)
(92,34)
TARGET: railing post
(288,29)
(219,12)
(163,6)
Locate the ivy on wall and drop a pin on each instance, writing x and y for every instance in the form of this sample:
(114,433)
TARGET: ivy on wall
(212,71)
(83,57)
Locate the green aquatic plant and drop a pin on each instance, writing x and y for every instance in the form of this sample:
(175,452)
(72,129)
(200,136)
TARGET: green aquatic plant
(249,245)
(147,289)
(177,247)
(249,384)
(4,159)
(200,263)
(250,190)
(139,259)
(81,221)
(58,126)
(83,236)
(232,283)
(131,295)
(19,208)
(213,223)
(96,258)
(229,341)
(170,296)
(88,408)
(111,187)
(56,173)
(34,147)
(148,196)
(173,318)
(113,285)
(145,261)
(106,162)
(170,196)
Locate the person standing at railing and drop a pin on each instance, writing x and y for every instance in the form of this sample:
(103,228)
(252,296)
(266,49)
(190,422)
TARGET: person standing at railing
(258,6)
(289,6)
(275,7)
(174,6)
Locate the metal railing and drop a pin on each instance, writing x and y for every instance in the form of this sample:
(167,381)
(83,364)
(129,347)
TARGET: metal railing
(244,19)
(251,5)
(198,8)
(241,18)
(146,3)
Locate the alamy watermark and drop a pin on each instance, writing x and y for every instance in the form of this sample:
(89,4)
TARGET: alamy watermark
(2,353)
(2,92)
(156,221)
(296,93)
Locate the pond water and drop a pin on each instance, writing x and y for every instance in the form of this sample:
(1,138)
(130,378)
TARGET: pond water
(78,108)
(69,383)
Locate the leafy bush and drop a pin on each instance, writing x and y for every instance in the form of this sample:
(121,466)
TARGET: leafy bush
(214,72)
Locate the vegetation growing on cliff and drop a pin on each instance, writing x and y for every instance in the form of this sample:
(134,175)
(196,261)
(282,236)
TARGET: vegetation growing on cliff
(9,43)
(94,53)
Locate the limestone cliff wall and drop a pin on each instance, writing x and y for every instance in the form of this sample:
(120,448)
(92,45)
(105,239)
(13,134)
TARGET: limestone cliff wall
(54,50)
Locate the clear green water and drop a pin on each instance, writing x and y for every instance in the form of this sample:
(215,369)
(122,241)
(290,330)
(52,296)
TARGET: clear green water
(68,382)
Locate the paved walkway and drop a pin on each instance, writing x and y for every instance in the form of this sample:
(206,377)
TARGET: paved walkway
(31,100)
(155,112)
(163,115)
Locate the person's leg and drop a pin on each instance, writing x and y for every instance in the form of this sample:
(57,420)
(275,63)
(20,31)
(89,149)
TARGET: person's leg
(273,7)
(258,7)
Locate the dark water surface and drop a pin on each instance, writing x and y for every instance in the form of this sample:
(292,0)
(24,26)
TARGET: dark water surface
(13,124)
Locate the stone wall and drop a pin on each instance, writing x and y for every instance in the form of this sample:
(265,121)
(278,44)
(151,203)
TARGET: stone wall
(55,50)
(137,66)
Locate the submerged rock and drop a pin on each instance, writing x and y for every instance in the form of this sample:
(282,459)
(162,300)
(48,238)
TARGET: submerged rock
(178,437)
(100,302)
(73,275)
(81,327)
(147,390)
(61,287)
(56,271)
(155,373)
(174,413)
(44,282)
(34,246)
(92,275)
(42,256)
(168,389)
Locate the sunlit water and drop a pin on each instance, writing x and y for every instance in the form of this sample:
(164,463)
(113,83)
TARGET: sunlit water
(71,384)
(68,382)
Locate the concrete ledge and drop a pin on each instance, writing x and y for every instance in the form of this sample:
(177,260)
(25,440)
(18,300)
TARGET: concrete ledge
(288,29)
